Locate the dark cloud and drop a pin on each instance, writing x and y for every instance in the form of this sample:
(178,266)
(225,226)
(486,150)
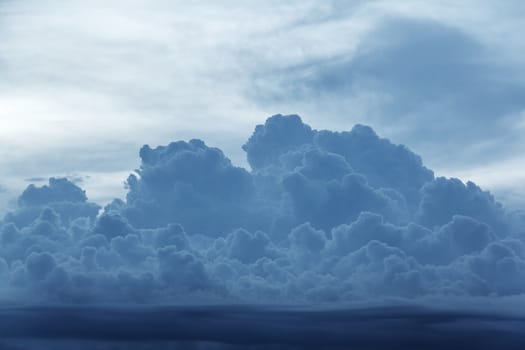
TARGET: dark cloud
(331,155)
(443,198)
(277,136)
(58,190)
(328,204)
(321,218)
(176,179)
(384,164)
(407,328)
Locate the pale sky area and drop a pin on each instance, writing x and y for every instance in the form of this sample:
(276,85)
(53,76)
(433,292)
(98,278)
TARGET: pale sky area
(84,84)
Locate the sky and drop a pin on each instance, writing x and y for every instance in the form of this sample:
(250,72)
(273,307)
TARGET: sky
(277,174)
(85,85)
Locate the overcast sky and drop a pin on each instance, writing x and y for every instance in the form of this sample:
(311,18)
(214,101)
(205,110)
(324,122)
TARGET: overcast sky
(85,83)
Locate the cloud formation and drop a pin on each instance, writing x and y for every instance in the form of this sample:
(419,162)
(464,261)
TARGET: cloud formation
(244,61)
(461,87)
(322,217)
(401,327)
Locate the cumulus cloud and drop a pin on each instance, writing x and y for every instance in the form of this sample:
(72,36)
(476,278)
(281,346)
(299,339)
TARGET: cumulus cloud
(61,195)
(277,136)
(322,217)
(174,180)
(443,198)
(462,87)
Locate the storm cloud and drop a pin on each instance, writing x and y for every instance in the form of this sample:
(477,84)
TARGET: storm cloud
(233,327)
(322,217)
(444,78)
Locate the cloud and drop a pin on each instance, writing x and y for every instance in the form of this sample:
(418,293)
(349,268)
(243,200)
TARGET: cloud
(280,51)
(402,327)
(58,190)
(416,79)
(336,202)
(277,136)
(182,270)
(62,196)
(40,265)
(174,180)
(362,149)
(321,216)
(325,217)
(443,198)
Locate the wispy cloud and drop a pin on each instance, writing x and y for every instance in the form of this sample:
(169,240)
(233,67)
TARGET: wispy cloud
(128,73)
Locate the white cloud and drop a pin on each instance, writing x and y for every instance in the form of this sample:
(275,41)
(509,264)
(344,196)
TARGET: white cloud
(102,77)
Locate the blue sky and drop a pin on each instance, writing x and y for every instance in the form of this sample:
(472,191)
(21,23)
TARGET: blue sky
(85,85)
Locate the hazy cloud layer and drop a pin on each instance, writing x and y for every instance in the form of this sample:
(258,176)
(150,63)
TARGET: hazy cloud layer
(235,327)
(76,75)
(425,80)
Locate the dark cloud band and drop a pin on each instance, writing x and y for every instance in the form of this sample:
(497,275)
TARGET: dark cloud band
(377,328)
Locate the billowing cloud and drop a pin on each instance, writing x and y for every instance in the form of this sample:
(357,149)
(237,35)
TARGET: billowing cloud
(322,217)
(175,180)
